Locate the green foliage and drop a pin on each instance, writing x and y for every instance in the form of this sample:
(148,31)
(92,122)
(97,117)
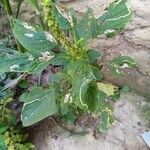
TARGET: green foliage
(86,28)
(61,20)
(115,18)
(14,61)
(119,63)
(78,87)
(11,137)
(106,120)
(34,4)
(38,104)
(34,40)
(6,115)
(23,84)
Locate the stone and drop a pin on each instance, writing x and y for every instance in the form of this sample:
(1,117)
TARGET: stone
(140,36)
(82,5)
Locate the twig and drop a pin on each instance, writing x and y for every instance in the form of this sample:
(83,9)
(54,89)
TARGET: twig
(18,8)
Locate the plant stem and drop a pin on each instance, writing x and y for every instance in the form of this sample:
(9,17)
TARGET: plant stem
(18,8)
(38,13)
(35,5)
(7,6)
(8,9)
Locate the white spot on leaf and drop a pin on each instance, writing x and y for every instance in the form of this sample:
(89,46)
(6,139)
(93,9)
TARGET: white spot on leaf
(108,31)
(70,19)
(125,65)
(14,67)
(117,71)
(31,58)
(68,98)
(29,35)
(28,27)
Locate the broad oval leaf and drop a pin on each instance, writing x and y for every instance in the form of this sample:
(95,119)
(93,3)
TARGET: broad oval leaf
(22,62)
(38,104)
(34,40)
(13,62)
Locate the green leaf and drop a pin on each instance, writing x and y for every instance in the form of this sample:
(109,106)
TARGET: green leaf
(73,17)
(110,23)
(84,90)
(89,94)
(34,4)
(125,89)
(2,143)
(23,84)
(34,40)
(107,88)
(38,104)
(81,67)
(96,72)
(93,54)
(11,119)
(121,62)
(13,62)
(70,116)
(8,50)
(115,18)
(60,18)
(106,120)
(3,128)
(23,62)
(86,28)
(102,96)
(60,59)
(2,76)
(39,66)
